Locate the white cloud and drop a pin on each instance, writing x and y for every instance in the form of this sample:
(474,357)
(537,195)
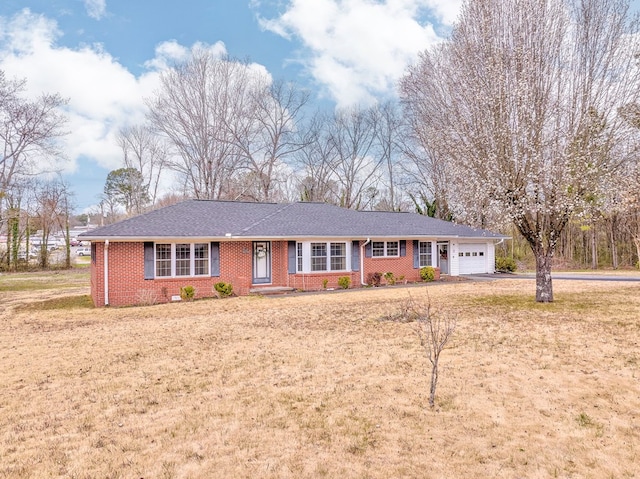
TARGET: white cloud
(103,95)
(96,8)
(358,49)
(171,52)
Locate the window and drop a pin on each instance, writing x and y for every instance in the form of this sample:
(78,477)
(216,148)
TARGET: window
(380,249)
(201,259)
(424,248)
(318,256)
(163,260)
(299,256)
(377,248)
(182,259)
(338,256)
(324,256)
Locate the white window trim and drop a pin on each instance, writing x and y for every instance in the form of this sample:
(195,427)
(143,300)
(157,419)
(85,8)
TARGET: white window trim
(431,254)
(386,255)
(192,261)
(306,256)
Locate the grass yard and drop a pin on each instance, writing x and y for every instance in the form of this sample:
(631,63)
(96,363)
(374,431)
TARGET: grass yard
(319,385)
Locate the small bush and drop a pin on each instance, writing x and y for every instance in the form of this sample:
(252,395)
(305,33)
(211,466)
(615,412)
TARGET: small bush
(390,278)
(428,273)
(324,283)
(187,293)
(373,279)
(223,289)
(344,282)
(505,264)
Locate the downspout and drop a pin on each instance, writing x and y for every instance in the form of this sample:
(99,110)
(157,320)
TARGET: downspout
(362,261)
(106,272)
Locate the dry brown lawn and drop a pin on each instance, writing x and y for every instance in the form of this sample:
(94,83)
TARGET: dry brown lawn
(319,386)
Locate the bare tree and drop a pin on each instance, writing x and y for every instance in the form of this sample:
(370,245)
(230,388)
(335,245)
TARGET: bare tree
(523,101)
(30,131)
(266,135)
(147,153)
(434,329)
(389,130)
(315,162)
(52,205)
(352,134)
(197,102)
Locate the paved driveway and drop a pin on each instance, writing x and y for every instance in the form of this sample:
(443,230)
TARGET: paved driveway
(568,276)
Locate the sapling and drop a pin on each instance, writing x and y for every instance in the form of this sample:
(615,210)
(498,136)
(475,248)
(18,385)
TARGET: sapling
(434,330)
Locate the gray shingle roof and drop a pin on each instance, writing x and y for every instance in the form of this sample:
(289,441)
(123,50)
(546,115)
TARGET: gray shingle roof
(219,219)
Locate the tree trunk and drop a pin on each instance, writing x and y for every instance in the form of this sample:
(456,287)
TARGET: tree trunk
(614,245)
(594,247)
(544,287)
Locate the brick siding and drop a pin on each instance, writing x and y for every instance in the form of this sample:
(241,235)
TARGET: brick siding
(127,285)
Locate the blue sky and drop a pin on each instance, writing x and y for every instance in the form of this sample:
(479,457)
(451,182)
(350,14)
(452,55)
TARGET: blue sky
(106,55)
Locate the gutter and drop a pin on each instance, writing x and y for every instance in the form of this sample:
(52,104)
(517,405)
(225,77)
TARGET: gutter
(362,283)
(106,273)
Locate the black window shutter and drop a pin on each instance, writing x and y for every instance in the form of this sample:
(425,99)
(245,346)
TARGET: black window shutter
(292,257)
(215,258)
(403,247)
(367,250)
(149,272)
(355,256)
(416,254)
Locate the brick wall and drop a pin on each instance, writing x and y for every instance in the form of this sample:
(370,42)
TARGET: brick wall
(127,285)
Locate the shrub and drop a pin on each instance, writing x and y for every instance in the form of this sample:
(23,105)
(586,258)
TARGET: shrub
(223,289)
(390,278)
(505,264)
(428,273)
(324,283)
(187,293)
(373,279)
(344,282)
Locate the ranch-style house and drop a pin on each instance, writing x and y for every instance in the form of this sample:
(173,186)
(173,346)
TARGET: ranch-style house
(259,247)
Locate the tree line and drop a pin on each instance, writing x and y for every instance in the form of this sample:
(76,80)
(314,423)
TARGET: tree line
(525,120)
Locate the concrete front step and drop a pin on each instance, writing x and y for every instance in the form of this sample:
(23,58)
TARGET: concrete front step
(266,290)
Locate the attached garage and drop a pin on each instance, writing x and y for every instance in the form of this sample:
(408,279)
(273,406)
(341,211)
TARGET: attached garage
(472,258)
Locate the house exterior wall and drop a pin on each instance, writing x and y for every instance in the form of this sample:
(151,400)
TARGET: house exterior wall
(127,286)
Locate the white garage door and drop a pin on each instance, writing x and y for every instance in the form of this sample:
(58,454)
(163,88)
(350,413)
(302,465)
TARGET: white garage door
(472,258)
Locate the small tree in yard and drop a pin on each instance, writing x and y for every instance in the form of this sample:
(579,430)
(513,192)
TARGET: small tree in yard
(434,330)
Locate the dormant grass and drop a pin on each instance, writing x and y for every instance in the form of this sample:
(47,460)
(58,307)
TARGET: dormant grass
(321,385)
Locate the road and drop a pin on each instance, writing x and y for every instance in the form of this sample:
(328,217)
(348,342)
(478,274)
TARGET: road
(563,276)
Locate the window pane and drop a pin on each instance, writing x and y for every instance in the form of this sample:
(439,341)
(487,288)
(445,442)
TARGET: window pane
(183,259)
(338,256)
(425,253)
(318,256)
(377,248)
(299,252)
(201,259)
(163,260)
(392,248)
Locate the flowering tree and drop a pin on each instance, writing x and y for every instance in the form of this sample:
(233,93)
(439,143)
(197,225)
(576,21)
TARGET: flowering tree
(523,102)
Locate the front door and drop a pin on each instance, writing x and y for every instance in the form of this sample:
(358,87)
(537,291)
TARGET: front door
(443,257)
(261,262)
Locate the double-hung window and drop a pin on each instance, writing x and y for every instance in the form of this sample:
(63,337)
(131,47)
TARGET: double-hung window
(338,256)
(425,253)
(318,256)
(182,259)
(380,249)
(299,260)
(322,256)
